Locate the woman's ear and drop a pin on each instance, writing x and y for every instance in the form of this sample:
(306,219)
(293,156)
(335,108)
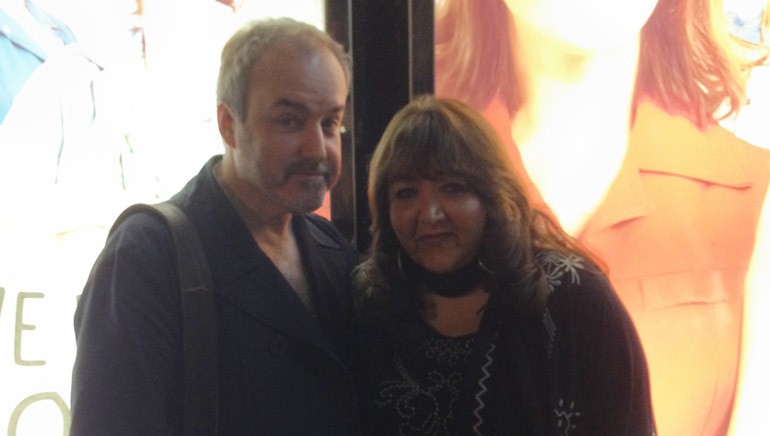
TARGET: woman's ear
(227,121)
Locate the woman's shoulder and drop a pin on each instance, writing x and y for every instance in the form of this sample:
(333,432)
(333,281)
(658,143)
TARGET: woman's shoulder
(580,295)
(563,270)
(573,279)
(370,301)
(363,283)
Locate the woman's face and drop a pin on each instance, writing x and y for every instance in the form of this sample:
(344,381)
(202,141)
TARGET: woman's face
(581,26)
(438,223)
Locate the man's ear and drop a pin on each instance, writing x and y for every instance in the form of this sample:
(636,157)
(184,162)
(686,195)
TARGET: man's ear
(226,120)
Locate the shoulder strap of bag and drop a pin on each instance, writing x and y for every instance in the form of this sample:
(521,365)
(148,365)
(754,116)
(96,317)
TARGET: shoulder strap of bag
(199,328)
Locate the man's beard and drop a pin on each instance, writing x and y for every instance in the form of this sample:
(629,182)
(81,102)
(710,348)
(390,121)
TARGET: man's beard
(314,189)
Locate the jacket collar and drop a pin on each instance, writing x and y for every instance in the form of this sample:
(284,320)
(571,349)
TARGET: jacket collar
(659,143)
(662,143)
(15,33)
(670,144)
(237,262)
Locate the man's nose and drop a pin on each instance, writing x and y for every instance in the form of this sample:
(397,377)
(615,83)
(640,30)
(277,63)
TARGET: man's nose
(313,142)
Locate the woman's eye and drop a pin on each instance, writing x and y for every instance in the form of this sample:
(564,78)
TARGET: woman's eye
(403,193)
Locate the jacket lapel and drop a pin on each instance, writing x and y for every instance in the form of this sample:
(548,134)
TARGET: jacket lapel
(242,274)
(661,143)
(261,291)
(323,260)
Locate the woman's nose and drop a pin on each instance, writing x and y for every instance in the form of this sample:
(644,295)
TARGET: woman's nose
(433,211)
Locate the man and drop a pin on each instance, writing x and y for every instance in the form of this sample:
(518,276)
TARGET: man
(280,274)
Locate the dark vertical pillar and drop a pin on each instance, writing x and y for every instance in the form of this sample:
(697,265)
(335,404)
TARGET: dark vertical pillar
(338,25)
(391,42)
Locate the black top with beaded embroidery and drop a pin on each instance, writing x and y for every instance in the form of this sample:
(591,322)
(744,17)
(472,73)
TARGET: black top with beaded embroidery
(577,369)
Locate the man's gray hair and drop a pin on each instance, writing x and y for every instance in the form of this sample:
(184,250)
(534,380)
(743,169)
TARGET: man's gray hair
(256,38)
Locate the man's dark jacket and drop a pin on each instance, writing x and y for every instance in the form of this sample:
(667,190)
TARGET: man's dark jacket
(281,369)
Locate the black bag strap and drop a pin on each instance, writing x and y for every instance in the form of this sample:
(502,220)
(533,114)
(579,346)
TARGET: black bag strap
(199,327)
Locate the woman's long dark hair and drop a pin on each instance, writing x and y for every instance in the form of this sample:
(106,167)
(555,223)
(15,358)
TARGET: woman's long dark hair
(432,138)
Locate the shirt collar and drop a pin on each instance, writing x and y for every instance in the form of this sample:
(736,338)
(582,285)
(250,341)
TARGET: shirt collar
(670,144)
(660,143)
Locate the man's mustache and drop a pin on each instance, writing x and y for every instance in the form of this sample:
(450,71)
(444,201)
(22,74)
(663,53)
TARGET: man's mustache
(310,167)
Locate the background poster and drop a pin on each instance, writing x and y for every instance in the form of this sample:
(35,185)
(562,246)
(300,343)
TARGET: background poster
(123,113)
(628,122)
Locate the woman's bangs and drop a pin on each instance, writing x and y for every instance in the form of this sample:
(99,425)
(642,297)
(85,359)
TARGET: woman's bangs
(426,149)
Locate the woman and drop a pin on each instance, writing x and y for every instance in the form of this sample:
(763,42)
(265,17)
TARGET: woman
(479,315)
(608,110)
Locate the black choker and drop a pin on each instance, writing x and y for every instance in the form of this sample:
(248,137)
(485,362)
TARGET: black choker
(452,284)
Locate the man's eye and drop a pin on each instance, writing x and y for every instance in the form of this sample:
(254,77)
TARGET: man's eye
(289,122)
(331,126)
